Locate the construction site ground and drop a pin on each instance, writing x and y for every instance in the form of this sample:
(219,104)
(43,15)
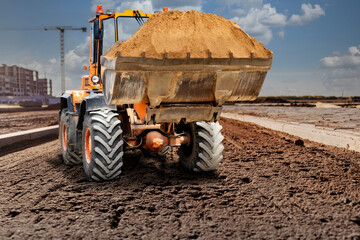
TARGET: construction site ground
(344,119)
(20,121)
(269,186)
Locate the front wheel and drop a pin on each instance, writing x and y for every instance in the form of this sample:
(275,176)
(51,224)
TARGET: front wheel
(204,152)
(102,145)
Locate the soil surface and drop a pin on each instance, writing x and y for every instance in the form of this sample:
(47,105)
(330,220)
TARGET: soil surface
(20,121)
(180,32)
(344,119)
(271,185)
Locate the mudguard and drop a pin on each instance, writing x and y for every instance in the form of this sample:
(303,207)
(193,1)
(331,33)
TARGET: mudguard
(66,102)
(90,103)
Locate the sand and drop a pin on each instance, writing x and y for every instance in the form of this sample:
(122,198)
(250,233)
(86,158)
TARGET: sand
(181,32)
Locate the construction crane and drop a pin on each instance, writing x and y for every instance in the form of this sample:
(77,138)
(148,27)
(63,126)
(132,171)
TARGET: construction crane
(62,30)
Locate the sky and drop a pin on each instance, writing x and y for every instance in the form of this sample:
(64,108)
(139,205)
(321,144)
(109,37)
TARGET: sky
(316,43)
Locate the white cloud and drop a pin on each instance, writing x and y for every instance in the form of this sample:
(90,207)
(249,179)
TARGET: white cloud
(257,22)
(106,4)
(339,62)
(258,19)
(310,13)
(354,50)
(143,5)
(238,12)
(52,60)
(342,71)
(347,60)
(74,61)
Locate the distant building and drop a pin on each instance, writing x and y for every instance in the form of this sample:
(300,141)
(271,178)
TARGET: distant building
(18,81)
(41,86)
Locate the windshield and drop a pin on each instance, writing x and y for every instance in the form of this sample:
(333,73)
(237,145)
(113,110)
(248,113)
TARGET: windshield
(109,33)
(126,27)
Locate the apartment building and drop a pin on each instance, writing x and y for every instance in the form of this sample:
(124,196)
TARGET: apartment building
(18,81)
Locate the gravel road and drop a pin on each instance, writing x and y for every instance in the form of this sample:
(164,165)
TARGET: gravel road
(267,187)
(20,121)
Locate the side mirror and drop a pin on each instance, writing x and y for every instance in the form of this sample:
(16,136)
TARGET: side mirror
(85,68)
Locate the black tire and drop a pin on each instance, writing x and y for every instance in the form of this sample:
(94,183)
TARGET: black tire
(63,135)
(102,150)
(204,153)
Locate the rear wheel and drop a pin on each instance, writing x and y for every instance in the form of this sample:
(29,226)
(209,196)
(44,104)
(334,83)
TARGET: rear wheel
(102,145)
(63,133)
(204,152)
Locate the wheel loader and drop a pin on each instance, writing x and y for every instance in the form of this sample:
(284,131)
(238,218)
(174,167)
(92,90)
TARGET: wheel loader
(151,104)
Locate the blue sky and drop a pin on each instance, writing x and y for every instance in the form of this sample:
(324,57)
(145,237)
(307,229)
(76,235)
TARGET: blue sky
(316,43)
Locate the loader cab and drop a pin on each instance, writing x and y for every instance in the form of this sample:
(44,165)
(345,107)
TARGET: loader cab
(105,30)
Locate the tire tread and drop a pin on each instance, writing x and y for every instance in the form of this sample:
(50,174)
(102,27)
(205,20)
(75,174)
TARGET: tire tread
(207,152)
(108,146)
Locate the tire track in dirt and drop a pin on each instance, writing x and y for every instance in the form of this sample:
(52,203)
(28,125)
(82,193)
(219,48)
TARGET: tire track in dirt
(267,187)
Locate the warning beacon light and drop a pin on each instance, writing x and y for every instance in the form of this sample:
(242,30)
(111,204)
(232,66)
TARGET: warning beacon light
(99,9)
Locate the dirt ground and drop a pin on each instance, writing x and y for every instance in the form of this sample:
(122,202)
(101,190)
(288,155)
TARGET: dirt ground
(20,121)
(267,187)
(343,119)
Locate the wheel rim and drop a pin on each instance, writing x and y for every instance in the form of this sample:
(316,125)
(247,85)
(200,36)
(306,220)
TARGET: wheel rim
(64,136)
(88,145)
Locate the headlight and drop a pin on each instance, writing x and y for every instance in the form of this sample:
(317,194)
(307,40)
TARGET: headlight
(95,79)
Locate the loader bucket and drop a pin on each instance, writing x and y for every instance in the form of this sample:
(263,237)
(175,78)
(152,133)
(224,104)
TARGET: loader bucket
(131,80)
